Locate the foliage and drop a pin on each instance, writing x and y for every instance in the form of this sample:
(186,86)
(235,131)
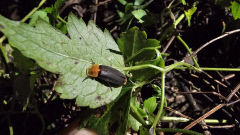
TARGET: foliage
(68,57)
(131,10)
(235,10)
(68,48)
(190,12)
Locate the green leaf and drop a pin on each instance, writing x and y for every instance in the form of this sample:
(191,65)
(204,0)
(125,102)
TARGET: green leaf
(183,2)
(133,123)
(123,2)
(54,10)
(116,114)
(157,89)
(235,10)
(190,12)
(68,57)
(137,50)
(37,15)
(150,105)
(138,14)
(138,2)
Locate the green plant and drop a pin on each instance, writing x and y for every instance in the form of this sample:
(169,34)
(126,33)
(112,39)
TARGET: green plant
(132,10)
(141,59)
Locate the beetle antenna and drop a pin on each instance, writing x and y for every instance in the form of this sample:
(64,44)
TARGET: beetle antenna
(109,86)
(85,78)
(92,61)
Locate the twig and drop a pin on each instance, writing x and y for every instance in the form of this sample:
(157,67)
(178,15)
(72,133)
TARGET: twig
(203,117)
(95,13)
(214,93)
(213,40)
(178,113)
(215,80)
(103,2)
(224,126)
(190,97)
(234,102)
(196,108)
(233,92)
(168,44)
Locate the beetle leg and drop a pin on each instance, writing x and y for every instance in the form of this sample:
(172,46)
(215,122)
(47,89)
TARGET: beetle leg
(110,88)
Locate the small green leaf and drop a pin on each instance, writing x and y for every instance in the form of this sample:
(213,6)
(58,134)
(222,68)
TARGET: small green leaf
(133,123)
(235,10)
(183,2)
(150,105)
(138,2)
(68,57)
(37,15)
(138,14)
(123,2)
(189,13)
(157,89)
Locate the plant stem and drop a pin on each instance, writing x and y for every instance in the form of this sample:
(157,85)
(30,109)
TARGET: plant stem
(189,50)
(33,10)
(61,19)
(178,20)
(143,67)
(210,68)
(160,111)
(178,64)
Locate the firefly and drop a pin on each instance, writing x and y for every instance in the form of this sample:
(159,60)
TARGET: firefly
(106,75)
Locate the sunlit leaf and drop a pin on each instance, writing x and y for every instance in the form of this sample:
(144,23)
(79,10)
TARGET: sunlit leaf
(235,10)
(138,14)
(150,105)
(69,57)
(190,12)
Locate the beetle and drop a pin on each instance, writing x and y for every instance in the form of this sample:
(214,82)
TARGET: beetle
(106,75)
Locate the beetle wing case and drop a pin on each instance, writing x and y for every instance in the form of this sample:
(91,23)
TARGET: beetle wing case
(111,77)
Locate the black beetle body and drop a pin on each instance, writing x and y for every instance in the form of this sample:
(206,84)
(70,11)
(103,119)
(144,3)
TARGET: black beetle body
(106,75)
